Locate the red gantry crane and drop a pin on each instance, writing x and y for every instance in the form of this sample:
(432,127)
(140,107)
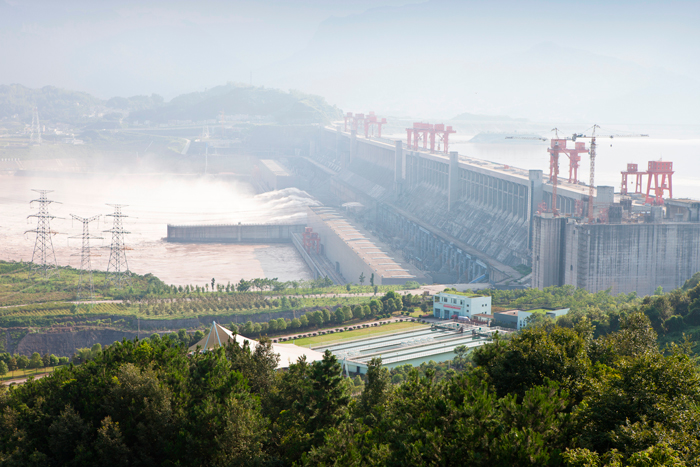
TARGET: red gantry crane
(593,137)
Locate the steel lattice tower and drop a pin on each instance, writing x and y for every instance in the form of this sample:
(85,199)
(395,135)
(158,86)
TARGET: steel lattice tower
(85,264)
(43,257)
(35,137)
(117,269)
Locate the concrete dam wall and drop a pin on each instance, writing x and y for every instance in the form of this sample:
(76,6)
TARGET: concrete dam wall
(623,257)
(234,233)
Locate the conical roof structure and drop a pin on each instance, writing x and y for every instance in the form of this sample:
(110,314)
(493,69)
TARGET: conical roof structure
(289,353)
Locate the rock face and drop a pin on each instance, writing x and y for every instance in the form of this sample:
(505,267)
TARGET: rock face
(64,344)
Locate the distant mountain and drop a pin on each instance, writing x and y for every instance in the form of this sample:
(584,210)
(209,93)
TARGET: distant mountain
(78,108)
(54,104)
(232,99)
(468,117)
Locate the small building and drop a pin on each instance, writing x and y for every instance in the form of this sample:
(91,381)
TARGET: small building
(482,318)
(518,319)
(447,304)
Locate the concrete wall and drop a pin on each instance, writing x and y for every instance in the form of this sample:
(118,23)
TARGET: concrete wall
(631,257)
(348,263)
(275,176)
(622,257)
(241,233)
(547,251)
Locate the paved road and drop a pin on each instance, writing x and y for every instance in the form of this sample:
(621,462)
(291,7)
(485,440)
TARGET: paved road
(23,379)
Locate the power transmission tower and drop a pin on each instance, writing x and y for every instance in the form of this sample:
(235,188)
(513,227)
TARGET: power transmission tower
(85,265)
(43,257)
(117,269)
(35,137)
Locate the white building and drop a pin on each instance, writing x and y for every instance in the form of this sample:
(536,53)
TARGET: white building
(518,319)
(448,304)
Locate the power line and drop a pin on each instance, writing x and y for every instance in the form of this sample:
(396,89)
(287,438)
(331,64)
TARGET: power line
(118,268)
(43,257)
(85,256)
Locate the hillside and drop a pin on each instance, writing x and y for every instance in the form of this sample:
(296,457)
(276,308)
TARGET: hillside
(81,109)
(55,105)
(283,107)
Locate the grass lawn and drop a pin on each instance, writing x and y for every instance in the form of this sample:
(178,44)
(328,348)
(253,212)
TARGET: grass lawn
(26,373)
(356,334)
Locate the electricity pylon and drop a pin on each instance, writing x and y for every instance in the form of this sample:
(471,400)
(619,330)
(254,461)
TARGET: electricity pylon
(85,264)
(43,257)
(118,268)
(35,136)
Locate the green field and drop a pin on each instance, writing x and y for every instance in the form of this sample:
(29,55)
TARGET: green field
(29,300)
(358,334)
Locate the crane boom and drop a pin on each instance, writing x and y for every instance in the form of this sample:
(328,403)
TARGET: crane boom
(593,137)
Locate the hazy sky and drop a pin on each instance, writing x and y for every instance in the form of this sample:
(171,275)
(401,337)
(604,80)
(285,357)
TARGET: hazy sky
(614,60)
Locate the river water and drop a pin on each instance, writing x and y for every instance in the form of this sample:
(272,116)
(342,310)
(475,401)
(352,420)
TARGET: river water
(153,201)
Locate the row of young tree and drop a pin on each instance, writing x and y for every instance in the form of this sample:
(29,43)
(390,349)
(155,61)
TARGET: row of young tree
(375,308)
(15,362)
(548,396)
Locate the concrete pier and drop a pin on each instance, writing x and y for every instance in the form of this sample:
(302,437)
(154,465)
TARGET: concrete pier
(233,233)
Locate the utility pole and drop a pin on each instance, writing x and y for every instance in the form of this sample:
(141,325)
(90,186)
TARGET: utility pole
(85,264)
(117,269)
(43,257)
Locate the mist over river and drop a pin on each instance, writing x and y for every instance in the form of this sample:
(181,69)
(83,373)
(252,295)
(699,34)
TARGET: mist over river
(153,202)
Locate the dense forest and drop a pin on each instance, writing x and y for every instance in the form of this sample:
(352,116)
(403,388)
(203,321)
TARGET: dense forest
(550,395)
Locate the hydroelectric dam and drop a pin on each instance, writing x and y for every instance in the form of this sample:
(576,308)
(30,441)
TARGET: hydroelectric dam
(448,218)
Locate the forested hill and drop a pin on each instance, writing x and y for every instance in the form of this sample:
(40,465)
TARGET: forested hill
(283,107)
(76,108)
(549,396)
(55,105)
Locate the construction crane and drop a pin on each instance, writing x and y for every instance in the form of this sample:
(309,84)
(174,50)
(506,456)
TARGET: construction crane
(593,137)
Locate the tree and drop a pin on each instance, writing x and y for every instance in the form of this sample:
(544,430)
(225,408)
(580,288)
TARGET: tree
(371,281)
(295,324)
(376,289)
(213,281)
(362,278)
(243,285)
(22,362)
(347,286)
(35,361)
(326,315)
(357,312)
(315,318)
(3,368)
(304,321)
(376,392)
(339,316)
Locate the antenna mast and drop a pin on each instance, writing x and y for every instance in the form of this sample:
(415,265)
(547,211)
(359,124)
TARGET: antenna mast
(85,255)
(117,269)
(43,257)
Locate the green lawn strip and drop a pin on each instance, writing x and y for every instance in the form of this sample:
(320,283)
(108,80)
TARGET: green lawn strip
(356,334)
(25,373)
